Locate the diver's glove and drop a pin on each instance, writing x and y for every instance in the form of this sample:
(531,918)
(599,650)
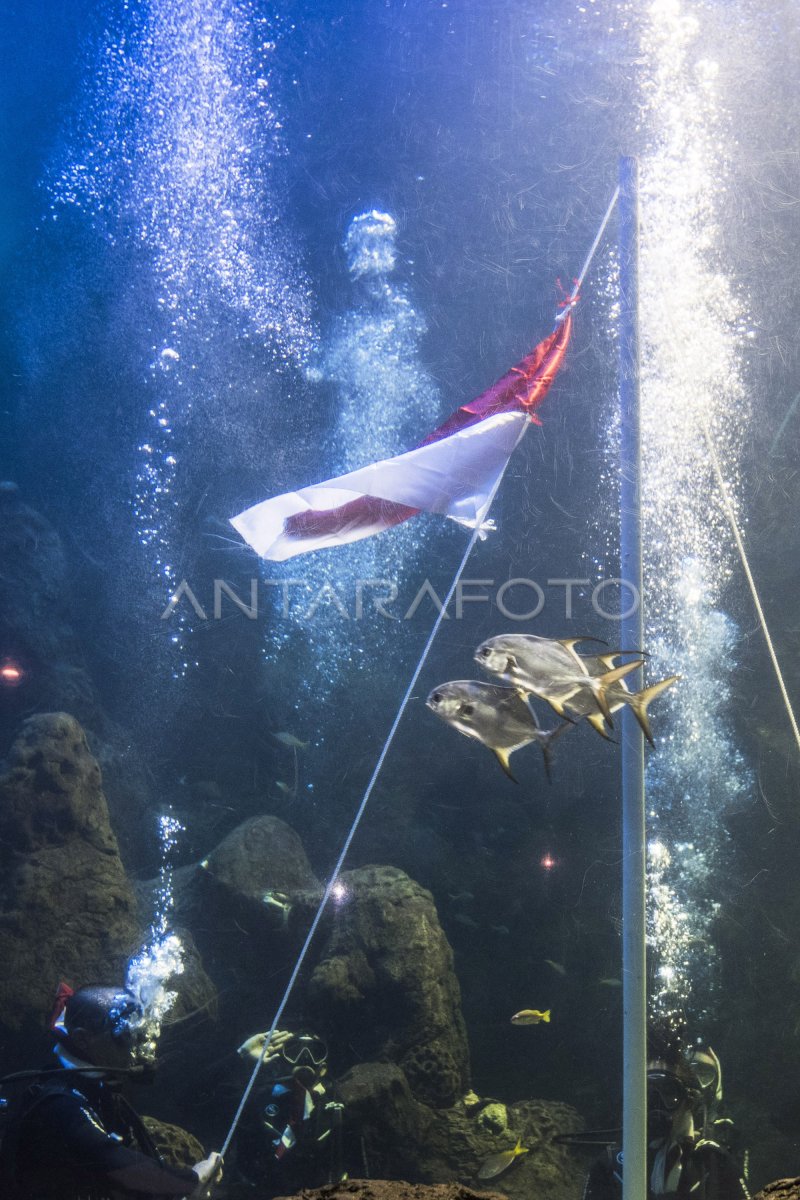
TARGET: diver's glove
(208,1171)
(254,1045)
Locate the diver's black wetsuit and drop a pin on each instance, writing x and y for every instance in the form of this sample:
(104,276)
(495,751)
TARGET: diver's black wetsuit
(710,1174)
(80,1140)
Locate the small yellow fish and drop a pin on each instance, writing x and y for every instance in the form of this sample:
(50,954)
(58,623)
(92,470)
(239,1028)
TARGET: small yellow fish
(497,1163)
(530,1016)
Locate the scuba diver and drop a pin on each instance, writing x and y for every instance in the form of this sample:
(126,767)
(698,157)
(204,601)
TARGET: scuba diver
(295,1112)
(66,1131)
(689,1139)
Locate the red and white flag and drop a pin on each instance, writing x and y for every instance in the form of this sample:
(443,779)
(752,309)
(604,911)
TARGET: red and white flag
(453,472)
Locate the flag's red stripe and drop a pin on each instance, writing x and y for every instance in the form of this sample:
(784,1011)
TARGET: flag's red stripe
(362,513)
(522,388)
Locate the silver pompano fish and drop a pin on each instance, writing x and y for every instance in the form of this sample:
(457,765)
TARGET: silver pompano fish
(497,716)
(582,704)
(548,668)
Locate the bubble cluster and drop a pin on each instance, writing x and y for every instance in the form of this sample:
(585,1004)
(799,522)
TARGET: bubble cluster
(177,149)
(175,157)
(692,328)
(162,956)
(385,403)
(370,244)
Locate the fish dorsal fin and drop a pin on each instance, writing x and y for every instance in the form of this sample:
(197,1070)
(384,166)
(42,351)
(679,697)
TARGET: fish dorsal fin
(502,758)
(618,673)
(570,642)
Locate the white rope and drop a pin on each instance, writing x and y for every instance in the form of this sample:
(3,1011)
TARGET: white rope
(731,515)
(359,814)
(572,299)
(390,738)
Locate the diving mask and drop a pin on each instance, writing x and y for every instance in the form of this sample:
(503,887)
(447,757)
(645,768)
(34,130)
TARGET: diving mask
(305,1050)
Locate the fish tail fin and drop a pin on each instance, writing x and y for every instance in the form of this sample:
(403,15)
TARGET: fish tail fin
(638,702)
(597,722)
(557,705)
(546,743)
(546,1016)
(502,758)
(599,683)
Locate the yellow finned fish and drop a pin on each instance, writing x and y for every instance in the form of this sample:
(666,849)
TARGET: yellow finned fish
(497,1163)
(551,669)
(496,716)
(530,1016)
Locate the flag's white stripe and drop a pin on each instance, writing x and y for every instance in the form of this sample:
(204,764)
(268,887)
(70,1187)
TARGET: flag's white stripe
(454,476)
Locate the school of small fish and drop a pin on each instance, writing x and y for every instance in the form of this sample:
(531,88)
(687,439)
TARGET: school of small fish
(574,685)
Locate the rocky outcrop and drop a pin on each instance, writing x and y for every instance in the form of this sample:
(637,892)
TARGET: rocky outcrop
(67,909)
(386,983)
(259,856)
(402,1138)
(384,1189)
(781,1189)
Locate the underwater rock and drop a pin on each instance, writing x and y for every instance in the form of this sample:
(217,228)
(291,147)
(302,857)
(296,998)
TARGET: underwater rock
(390,1122)
(402,1138)
(388,1189)
(781,1189)
(261,855)
(386,984)
(67,909)
(457,1143)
